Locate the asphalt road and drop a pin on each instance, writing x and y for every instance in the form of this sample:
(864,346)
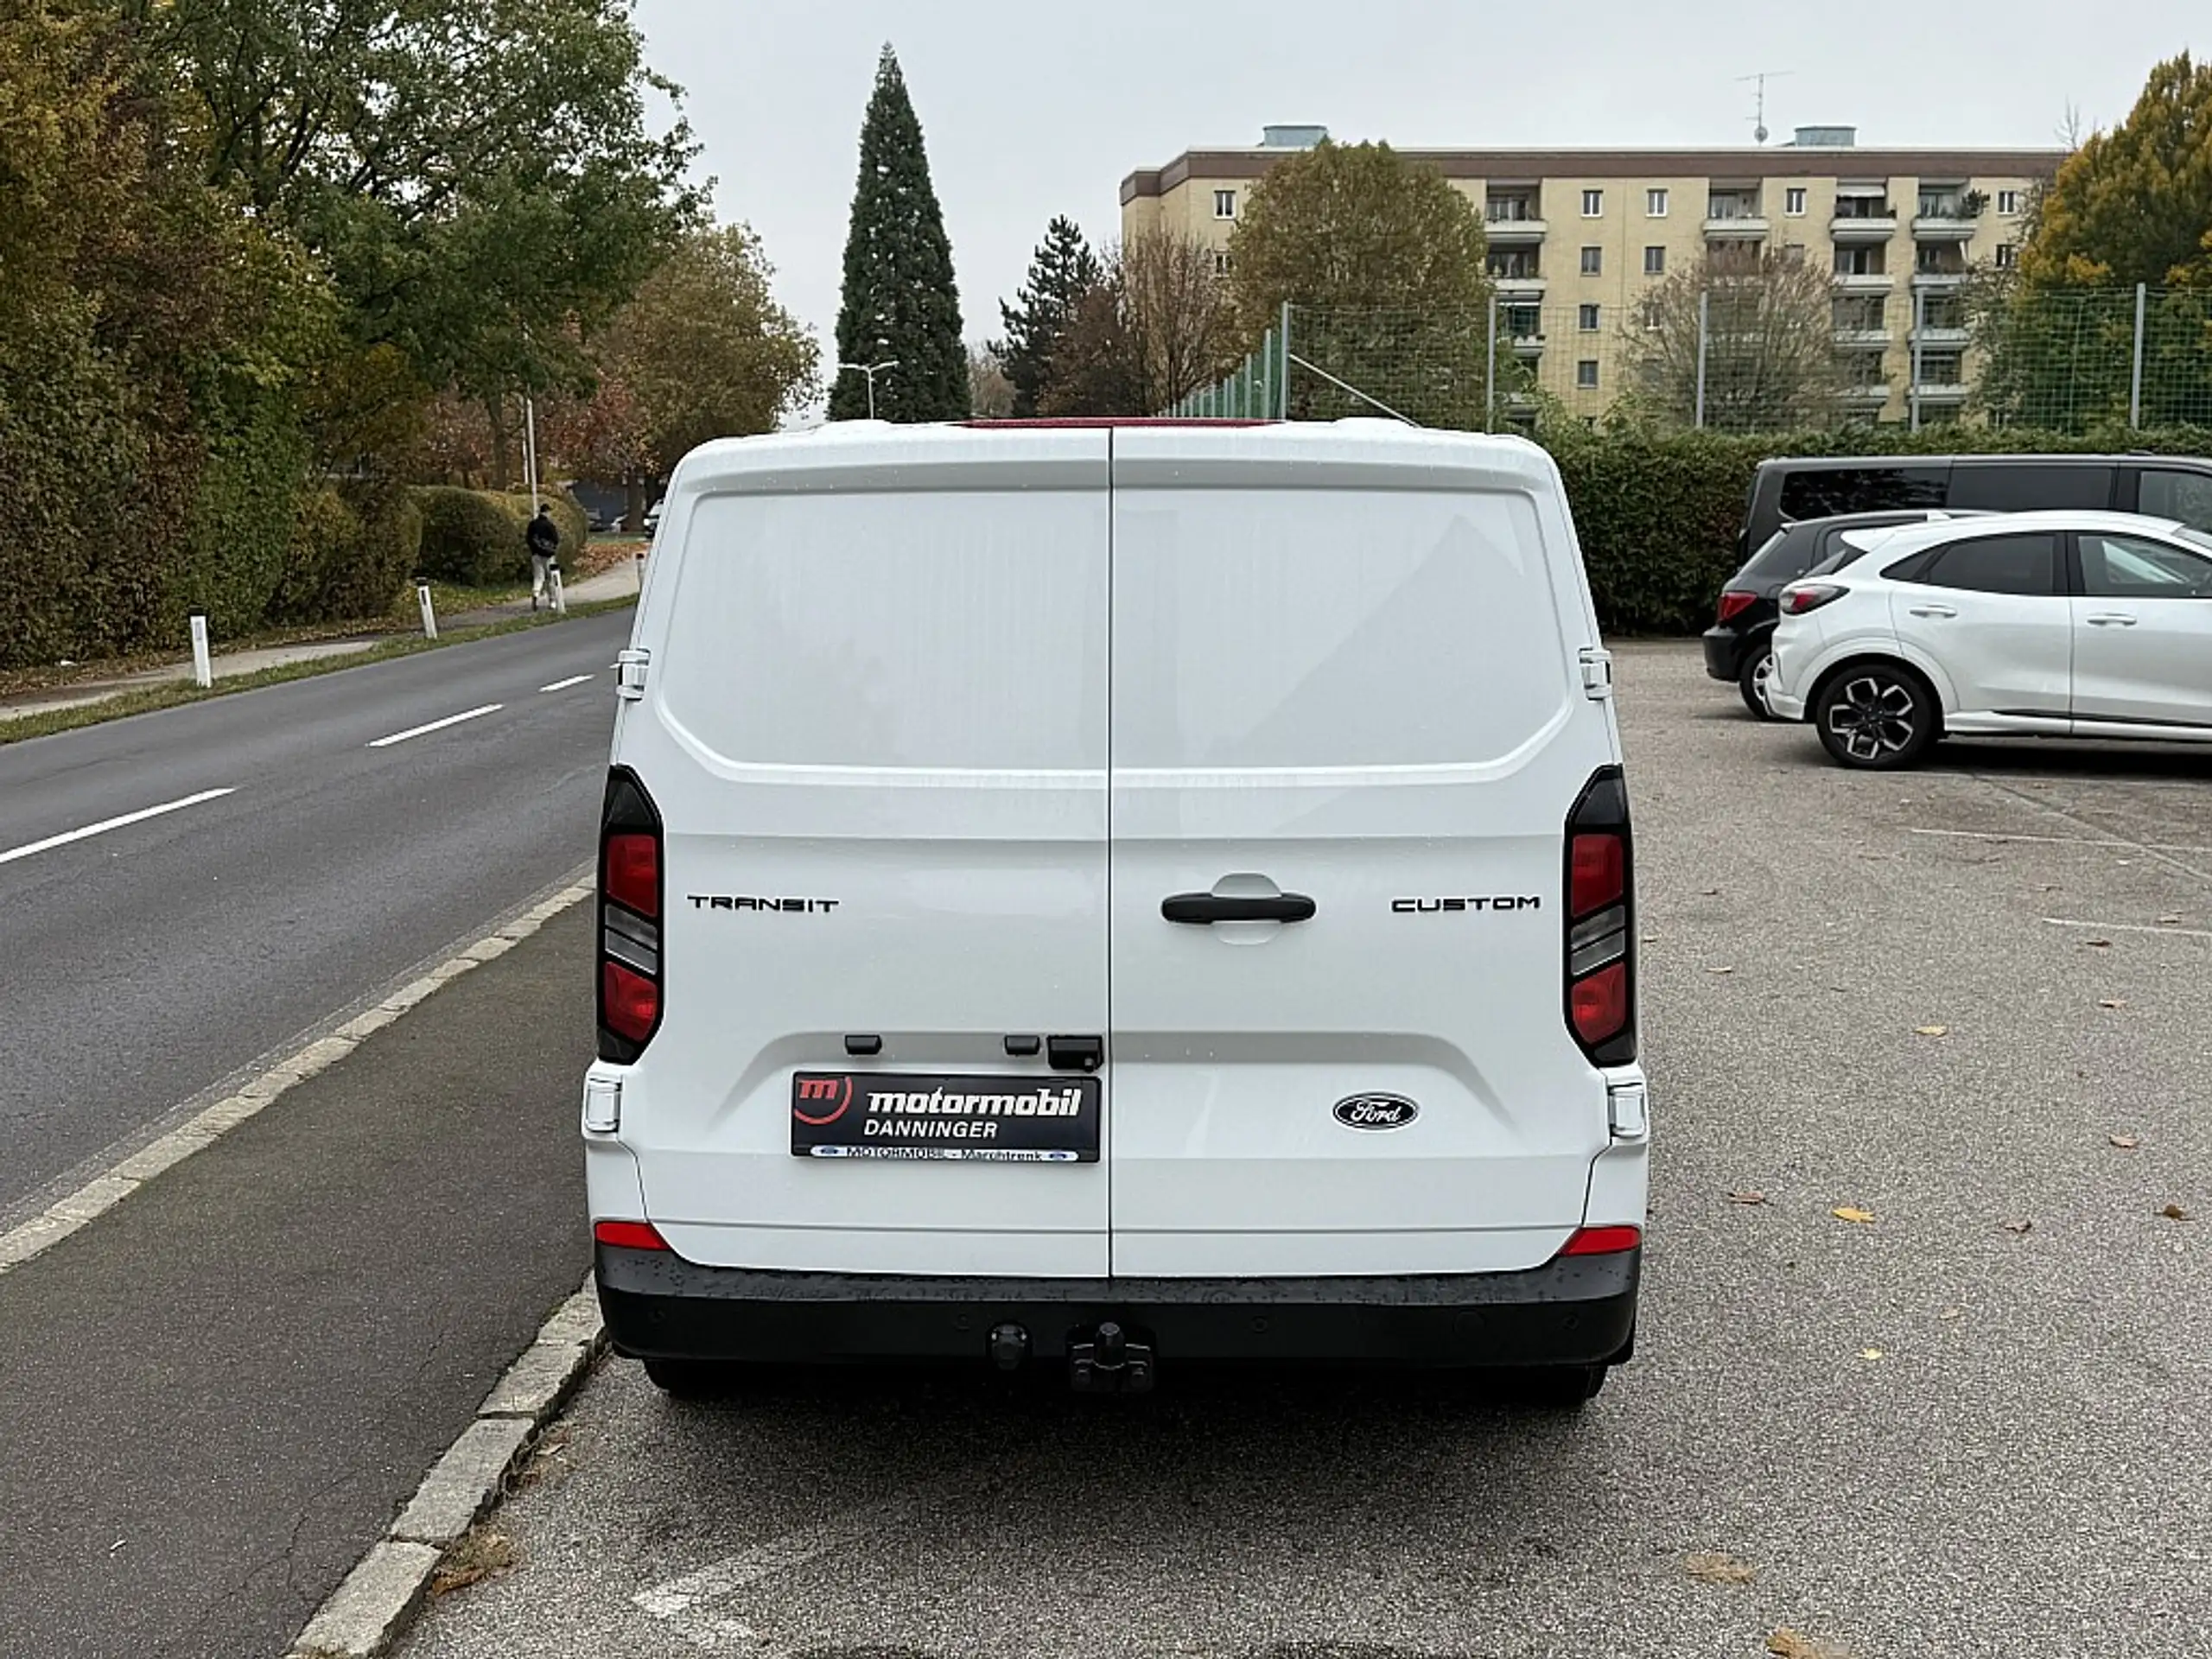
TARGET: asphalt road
(143,966)
(1975,1424)
(216,1396)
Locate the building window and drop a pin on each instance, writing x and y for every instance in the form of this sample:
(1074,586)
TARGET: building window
(1593,261)
(1221,261)
(1586,318)
(1791,253)
(1593,203)
(1793,201)
(1224,203)
(2007,256)
(2008,201)
(1586,374)
(1655,262)
(1655,204)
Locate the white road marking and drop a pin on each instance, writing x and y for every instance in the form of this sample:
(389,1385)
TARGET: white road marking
(563,685)
(2062,841)
(435,726)
(679,1600)
(2128,927)
(106,824)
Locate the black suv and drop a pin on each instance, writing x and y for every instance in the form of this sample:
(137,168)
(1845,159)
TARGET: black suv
(1739,642)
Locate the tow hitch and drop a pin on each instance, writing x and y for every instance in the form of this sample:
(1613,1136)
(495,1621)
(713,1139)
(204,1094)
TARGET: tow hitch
(1106,1362)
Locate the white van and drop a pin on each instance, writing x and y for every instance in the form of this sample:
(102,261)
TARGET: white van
(1104,895)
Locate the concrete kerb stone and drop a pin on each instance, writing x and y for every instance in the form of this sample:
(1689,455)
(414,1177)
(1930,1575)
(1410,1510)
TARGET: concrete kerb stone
(372,1605)
(372,1608)
(103,1192)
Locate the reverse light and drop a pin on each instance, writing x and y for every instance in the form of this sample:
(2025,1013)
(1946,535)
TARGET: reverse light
(642,1235)
(1587,1241)
(1810,596)
(1734,602)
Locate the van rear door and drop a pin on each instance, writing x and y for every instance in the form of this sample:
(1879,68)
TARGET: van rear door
(874,726)
(1349,726)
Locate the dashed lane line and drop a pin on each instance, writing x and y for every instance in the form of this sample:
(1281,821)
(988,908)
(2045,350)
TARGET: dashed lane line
(435,724)
(106,824)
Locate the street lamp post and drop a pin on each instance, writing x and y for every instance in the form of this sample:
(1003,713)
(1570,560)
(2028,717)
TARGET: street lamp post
(871,370)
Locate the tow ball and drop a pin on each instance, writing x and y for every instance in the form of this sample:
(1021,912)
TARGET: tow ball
(1105,1360)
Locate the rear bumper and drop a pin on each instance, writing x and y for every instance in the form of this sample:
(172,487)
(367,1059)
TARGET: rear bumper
(1724,652)
(1578,1310)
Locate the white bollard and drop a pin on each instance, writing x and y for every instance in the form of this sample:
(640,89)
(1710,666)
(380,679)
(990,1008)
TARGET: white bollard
(203,671)
(560,597)
(429,616)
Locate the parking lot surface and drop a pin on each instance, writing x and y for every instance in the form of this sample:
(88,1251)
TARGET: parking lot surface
(1967,1003)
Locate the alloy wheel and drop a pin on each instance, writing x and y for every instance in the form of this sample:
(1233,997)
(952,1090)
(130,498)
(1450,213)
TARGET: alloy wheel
(1872,716)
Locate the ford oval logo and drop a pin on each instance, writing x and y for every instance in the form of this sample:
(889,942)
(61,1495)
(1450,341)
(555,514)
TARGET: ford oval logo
(1375,1112)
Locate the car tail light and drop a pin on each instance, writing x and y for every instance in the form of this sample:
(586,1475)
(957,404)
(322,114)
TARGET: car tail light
(1734,602)
(1810,596)
(643,1235)
(1601,922)
(630,878)
(1587,1241)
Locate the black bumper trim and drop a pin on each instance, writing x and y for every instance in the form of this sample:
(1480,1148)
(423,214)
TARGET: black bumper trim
(1577,1310)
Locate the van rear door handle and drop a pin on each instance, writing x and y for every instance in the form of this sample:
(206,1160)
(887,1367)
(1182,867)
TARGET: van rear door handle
(1206,908)
(2111,619)
(1932,610)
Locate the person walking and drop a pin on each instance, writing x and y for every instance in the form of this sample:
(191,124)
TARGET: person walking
(545,539)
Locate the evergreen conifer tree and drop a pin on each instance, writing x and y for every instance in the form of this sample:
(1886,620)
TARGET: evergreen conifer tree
(1063,270)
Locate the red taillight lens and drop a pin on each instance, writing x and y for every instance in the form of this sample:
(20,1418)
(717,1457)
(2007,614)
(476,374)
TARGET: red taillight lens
(1734,602)
(642,1235)
(1598,1004)
(1810,596)
(1601,873)
(629,1003)
(633,872)
(1593,1241)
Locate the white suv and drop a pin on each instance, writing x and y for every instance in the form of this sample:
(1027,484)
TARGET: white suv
(1102,896)
(2095,624)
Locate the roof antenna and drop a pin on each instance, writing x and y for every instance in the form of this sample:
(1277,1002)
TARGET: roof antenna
(1758,130)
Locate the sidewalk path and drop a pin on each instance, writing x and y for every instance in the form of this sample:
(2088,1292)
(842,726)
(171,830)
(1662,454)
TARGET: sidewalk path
(619,581)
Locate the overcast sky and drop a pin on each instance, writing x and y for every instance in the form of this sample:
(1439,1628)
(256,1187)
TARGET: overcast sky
(1030,109)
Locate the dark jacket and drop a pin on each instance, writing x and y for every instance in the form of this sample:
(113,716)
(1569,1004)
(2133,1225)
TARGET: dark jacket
(544,537)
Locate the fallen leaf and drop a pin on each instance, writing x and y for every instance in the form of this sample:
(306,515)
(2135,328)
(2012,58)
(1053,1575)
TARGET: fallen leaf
(1720,971)
(2020,1226)
(1717,1567)
(2048,887)
(1847,1213)
(1787,1643)
(2125,1142)
(1872,1353)
(1651,939)
(1747,1197)
(1950,1312)
(1931,1031)
(2110,1002)
(1710,892)
(2170,921)
(2175,1213)
(2098,945)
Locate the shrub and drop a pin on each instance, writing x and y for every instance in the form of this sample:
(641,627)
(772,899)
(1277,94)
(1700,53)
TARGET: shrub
(475,537)
(350,554)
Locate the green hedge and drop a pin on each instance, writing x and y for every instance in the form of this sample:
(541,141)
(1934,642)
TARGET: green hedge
(350,554)
(475,537)
(1658,513)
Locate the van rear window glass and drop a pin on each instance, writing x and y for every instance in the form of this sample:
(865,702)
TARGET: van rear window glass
(2030,487)
(935,631)
(1823,492)
(1307,628)
(2168,492)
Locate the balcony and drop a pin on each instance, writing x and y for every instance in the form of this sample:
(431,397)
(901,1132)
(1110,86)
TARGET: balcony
(1510,232)
(1867,340)
(1528,345)
(1873,393)
(1940,391)
(1863,226)
(1947,336)
(1528,288)
(1939,279)
(1947,217)
(1862,282)
(1735,228)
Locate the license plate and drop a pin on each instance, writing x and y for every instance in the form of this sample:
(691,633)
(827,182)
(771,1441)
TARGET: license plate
(933,1118)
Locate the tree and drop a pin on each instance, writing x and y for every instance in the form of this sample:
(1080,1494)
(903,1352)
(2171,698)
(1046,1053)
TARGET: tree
(1155,327)
(1063,270)
(901,303)
(1382,263)
(990,394)
(1768,326)
(2134,205)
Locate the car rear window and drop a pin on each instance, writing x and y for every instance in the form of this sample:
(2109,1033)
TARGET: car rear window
(1309,628)
(938,630)
(1788,555)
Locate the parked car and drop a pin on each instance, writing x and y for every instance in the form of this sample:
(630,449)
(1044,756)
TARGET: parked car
(1058,907)
(1736,646)
(1792,489)
(652,520)
(2094,625)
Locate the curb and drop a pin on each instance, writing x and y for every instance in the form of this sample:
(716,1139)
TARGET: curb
(374,1605)
(103,1192)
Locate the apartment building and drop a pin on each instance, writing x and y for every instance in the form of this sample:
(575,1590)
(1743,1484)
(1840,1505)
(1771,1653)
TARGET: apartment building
(1577,237)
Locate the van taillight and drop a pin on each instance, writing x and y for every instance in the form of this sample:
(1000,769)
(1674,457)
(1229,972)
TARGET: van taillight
(1601,921)
(630,878)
